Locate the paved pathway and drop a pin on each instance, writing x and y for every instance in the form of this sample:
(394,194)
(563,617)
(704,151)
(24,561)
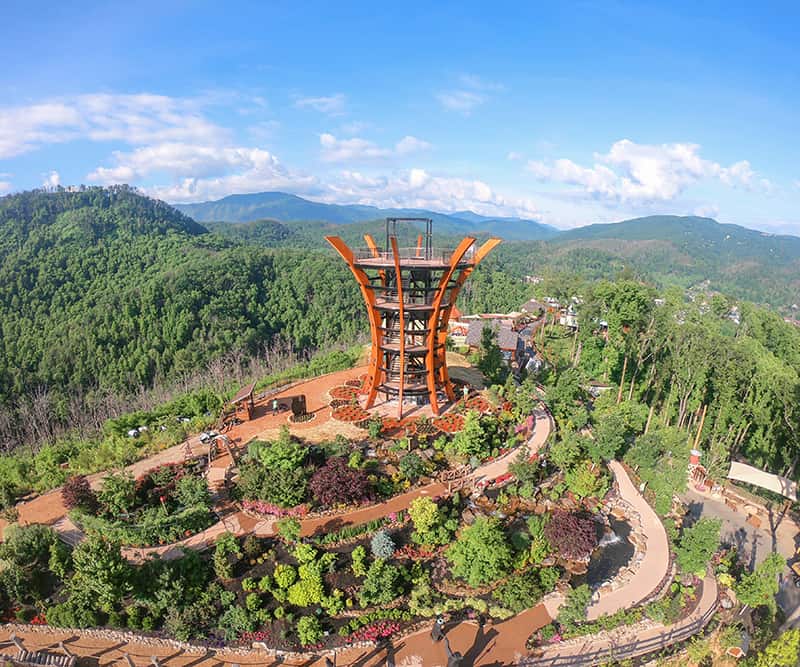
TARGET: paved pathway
(754,544)
(493,645)
(655,563)
(627,642)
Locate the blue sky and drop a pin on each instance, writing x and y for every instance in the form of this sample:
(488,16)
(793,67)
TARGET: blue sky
(567,113)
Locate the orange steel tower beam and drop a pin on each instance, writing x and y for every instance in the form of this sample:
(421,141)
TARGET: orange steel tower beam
(409,294)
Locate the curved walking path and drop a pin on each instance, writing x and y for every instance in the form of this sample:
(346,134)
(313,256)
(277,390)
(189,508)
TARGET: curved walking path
(240,523)
(490,646)
(655,563)
(629,641)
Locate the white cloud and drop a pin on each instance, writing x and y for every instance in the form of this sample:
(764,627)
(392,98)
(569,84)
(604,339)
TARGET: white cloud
(333,105)
(52,179)
(471,92)
(707,211)
(134,119)
(409,144)
(643,173)
(5,186)
(24,128)
(356,149)
(416,188)
(462,101)
(513,156)
(796,184)
(202,172)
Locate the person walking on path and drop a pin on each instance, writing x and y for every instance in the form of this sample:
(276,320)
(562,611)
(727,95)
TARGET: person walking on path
(436,631)
(454,658)
(274,406)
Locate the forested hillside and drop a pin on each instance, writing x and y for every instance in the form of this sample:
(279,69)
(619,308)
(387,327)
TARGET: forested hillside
(105,289)
(730,384)
(687,252)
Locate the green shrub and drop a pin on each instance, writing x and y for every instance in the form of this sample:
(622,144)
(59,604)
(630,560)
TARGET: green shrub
(381,585)
(309,630)
(481,554)
(697,545)
(520,591)
(234,621)
(288,528)
(305,553)
(412,467)
(359,561)
(573,611)
(285,575)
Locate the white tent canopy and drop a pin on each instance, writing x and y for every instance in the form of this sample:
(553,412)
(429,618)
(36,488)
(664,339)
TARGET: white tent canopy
(766,480)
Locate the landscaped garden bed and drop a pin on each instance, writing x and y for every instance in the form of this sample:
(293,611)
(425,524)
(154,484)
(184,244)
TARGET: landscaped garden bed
(351,414)
(448,423)
(344,392)
(162,506)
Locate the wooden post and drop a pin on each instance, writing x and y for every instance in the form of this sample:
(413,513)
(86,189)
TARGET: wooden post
(700,428)
(622,379)
(649,417)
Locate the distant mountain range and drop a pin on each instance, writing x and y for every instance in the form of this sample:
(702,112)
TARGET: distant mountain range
(685,251)
(284,207)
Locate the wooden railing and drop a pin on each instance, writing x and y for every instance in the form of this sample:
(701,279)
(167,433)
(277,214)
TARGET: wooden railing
(637,648)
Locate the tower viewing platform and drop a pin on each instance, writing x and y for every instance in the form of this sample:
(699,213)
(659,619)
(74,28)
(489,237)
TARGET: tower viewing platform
(409,293)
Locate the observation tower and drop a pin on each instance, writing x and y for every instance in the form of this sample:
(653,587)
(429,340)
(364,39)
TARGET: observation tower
(409,293)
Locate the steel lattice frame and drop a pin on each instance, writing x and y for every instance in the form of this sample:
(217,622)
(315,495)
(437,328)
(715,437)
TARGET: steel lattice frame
(409,294)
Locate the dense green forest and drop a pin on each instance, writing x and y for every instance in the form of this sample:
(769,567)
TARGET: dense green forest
(732,388)
(687,252)
(107,290)
(104,291)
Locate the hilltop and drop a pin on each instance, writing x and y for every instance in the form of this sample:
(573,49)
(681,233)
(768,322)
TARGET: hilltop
(105,289)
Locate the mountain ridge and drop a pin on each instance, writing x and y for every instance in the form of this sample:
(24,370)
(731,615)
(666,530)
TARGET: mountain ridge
(284,207)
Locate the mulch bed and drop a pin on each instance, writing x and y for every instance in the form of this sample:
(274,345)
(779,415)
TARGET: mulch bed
(449,423)
(478,403)
(350,414)
(344,392)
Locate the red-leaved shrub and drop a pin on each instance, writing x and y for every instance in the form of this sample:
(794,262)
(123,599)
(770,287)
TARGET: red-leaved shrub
(76,492)
(336,484)
(573,536)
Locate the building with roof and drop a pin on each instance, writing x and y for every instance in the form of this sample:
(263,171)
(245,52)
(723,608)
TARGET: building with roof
(509,341)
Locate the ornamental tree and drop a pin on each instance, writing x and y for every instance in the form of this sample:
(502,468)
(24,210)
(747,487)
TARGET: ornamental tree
(101,572)
(76,493)
(572,535)
(25,555)
(382,584)
(573,611)
(309,630)
(472,439)
(118,494)
(337,484)
(586,480)
(760,586)
(697,545)
(481,554)
(431,525)
(382,545)
(783,651)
